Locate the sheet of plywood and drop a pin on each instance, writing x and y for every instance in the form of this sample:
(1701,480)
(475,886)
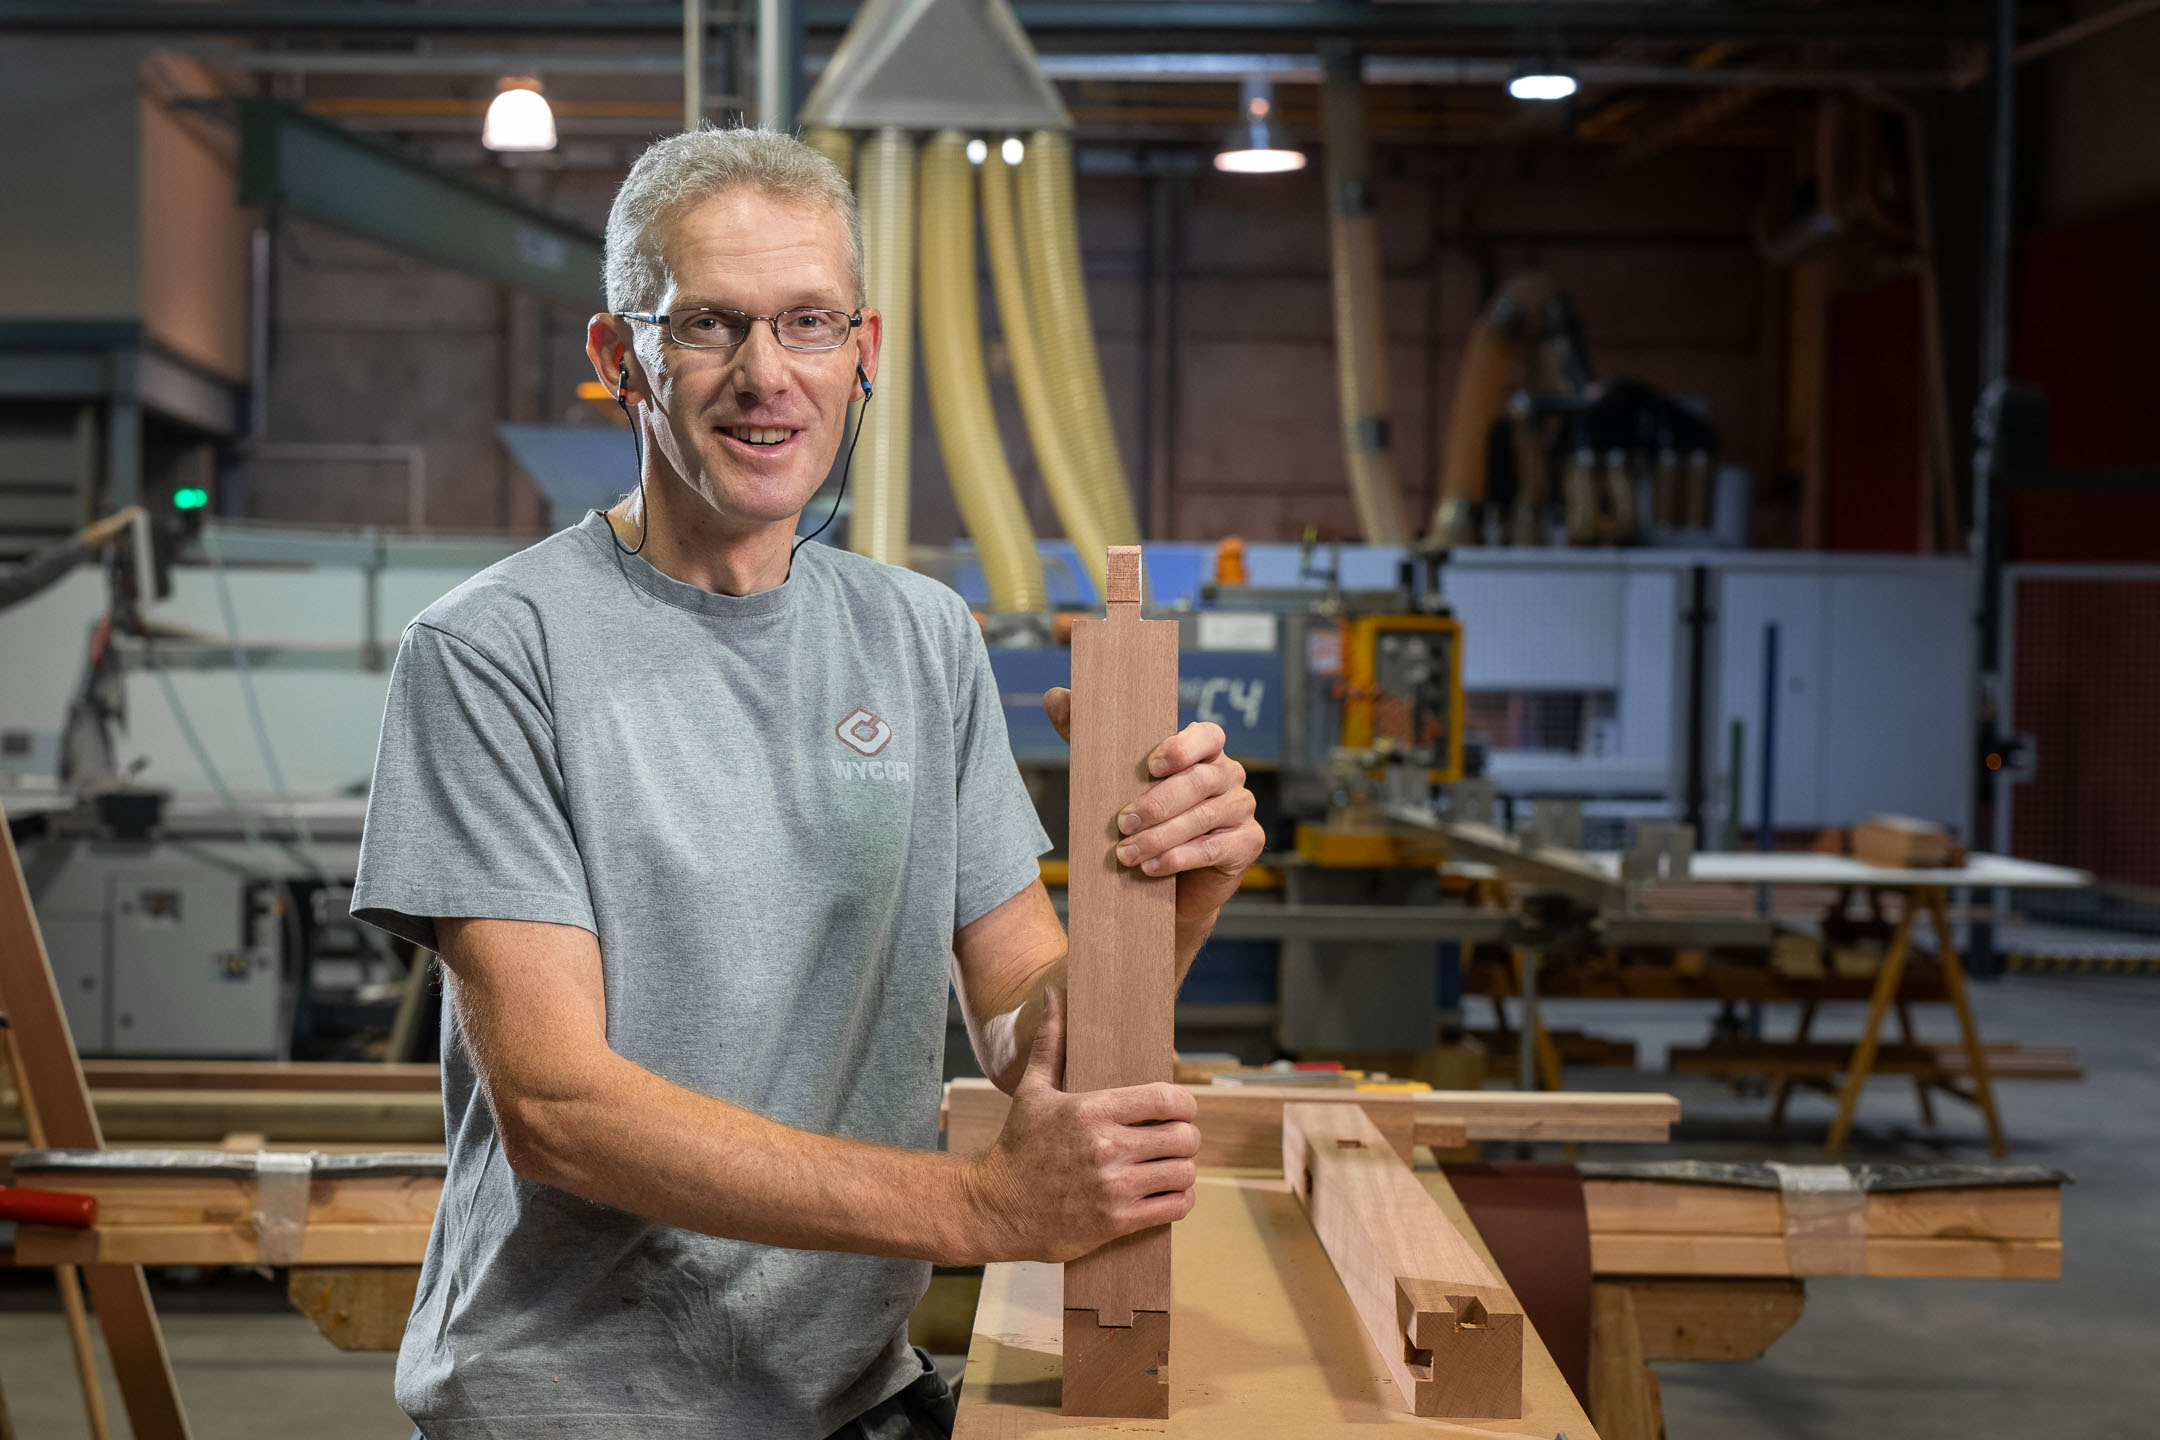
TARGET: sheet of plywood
(1121,982)
(1448,1328)
(1267,1344)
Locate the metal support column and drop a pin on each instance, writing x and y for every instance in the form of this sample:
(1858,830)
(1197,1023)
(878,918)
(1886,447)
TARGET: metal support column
(693,64)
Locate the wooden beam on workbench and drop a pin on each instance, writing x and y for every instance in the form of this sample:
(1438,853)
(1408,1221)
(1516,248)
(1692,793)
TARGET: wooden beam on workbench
(1449,1328)
(1122,981)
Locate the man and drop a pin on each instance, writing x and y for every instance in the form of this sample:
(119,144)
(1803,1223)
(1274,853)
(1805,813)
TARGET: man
(701,824)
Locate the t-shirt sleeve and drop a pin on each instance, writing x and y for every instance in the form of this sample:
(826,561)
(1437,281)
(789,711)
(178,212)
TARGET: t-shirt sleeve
(467,815)
(999,834)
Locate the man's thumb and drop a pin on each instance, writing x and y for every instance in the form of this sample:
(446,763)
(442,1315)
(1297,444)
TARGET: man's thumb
(1046,1057)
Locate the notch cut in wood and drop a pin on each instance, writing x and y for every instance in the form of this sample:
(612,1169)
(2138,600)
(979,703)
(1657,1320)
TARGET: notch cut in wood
(1122,981)
(1448,1328)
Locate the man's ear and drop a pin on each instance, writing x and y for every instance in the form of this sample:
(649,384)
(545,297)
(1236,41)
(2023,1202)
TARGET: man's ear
(614,359)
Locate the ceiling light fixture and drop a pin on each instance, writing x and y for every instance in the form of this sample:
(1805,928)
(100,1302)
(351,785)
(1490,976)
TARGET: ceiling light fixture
(1541,82)
(1013,150)
(519,118)
(1251,147)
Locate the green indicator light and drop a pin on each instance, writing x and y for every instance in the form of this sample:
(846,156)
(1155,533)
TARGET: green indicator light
(194,497)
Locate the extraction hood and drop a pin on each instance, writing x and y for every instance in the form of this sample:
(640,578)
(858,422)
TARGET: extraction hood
(935,65)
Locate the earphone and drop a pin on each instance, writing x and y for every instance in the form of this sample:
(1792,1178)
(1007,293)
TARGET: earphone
(637,446)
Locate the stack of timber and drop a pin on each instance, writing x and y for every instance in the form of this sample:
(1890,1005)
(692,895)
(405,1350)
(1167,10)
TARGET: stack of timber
(1891,1221)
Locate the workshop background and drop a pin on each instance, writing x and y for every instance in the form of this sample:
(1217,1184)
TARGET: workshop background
(1585,447)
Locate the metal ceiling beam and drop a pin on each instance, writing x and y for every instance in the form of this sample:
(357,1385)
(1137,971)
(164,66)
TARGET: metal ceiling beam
(330,174)
(1900,19)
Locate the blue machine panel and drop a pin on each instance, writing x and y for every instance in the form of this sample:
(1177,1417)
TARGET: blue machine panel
(1238,690)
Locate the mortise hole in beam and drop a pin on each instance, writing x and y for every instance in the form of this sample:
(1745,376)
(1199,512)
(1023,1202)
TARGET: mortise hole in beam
(1470,1314)
(1417,1359)
(1349,1144)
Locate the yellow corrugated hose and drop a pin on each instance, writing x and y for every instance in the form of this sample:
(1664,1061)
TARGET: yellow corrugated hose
(1059,293)
(1053,452)
(878,524)
(835,145)
(967,430)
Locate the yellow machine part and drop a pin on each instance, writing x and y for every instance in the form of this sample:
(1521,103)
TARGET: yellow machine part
(967,430)
(1059,292)
(885,187)
(1371,713)
(1061,472)
(1341,849)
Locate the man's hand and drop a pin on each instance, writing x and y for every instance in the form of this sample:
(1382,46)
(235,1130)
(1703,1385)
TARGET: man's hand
(1195,822)
(1069,1173)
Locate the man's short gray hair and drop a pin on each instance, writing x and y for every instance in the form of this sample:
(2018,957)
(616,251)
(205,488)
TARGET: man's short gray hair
(676,173)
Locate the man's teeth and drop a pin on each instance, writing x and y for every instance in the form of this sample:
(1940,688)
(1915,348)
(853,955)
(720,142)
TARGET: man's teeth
(758,435)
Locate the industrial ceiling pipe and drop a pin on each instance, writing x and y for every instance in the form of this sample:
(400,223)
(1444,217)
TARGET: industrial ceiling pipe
(1361,381)
(885,187)
(974,452)
(1061,474)
(1059,293)
(1481,392)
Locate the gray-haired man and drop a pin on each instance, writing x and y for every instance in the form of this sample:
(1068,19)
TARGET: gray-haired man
(702,825)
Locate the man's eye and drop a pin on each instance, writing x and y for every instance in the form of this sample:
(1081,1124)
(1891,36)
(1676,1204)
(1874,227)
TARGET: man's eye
(705,322)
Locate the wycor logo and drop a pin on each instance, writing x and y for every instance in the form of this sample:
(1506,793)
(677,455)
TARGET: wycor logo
(863,732)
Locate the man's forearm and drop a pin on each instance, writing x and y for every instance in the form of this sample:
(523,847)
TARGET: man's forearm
(617,1134)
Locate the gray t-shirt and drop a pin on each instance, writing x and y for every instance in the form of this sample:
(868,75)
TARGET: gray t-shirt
(773,810)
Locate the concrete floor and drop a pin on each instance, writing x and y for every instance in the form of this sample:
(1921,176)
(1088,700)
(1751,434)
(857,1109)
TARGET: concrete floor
(1916,1360)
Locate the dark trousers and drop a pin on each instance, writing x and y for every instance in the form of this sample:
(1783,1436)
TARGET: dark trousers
(923,1411)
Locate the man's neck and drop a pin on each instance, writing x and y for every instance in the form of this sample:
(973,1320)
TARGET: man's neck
(686,540)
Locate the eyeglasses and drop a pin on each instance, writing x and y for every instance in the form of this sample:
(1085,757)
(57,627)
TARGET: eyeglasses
(799,329)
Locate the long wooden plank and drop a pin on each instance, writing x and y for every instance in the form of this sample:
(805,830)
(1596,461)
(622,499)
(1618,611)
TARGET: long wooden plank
(207,1244)
(391,1117)
(1448,1327)
(1121,980)
(1268,1346)
(1896,1257)
(363,1077)
(1242,1126)
(53,1074)
(2032,1212)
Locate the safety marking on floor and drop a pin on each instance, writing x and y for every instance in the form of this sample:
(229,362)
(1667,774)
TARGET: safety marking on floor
(2143,963)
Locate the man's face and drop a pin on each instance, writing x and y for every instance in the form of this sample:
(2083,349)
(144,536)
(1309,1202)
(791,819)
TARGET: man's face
(754,429)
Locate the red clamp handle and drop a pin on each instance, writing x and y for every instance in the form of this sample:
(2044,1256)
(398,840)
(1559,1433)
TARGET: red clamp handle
(48,1207)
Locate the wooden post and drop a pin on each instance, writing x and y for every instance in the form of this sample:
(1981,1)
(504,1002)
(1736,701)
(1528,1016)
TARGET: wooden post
(1446,1324)
(55,1086)
(1122,982)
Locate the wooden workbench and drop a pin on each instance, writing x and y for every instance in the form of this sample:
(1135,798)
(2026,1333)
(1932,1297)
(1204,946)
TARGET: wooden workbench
(1267,1343)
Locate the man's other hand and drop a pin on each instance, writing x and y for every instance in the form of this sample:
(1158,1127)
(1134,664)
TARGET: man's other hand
(1070,1173)
(1195,822)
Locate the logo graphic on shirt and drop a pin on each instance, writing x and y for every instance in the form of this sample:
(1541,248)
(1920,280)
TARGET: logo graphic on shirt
(863,732)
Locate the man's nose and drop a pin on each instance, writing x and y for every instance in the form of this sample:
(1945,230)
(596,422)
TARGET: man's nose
(761,363)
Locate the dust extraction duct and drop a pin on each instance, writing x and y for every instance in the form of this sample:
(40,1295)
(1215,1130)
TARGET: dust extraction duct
(955,68)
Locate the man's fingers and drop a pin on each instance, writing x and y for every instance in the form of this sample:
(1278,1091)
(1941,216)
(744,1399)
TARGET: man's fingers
(1057,704)
(1144,1104)
(1200,741)
(1156,1210)
(1181,792)
(1220,812)
(1046,1056)
(1171,1140)
(1161,1177)
(1218,849)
